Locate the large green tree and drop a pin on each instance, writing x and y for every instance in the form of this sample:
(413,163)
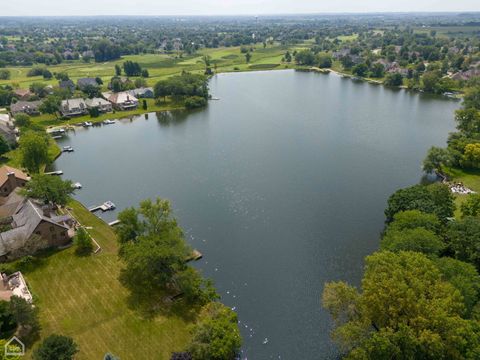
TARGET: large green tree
(463,238)
(405,310)
(56,347)
(216,335)
(49,189)
(435,199)
(34,151)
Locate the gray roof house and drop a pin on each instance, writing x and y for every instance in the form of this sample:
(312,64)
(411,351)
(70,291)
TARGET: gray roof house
(100,103)
(67,84)
(84,82)
(73,107)
(27,107)
(33,228)
(8,130)
(146,92)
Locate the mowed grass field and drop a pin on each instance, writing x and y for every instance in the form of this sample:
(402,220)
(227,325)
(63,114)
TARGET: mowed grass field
(161,66)
(82,298)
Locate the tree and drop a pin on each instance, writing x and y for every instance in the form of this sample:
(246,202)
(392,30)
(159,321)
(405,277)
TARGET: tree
(56,347)
(471,156)
(463,239)
(26,316)
(49,189)
(405,310)
(394,79)
(34,151)
(468,121)
(360,70)
(39,89)
(248,57)
(84,243)
(162,89)
(195,102)
(418,239)
(437,158)
(4,74)
(139,83)
(430,81)
(471,100)
(464,277)
(377,70)
(132,68)
(471,206)
(413,219)
(216,335)
(7,320)
(4,147)
(22,120)
(118,70)
(288,57)
(145,73)
(324,60)
(433,199)
(305,57)
(50,105)
(144,104)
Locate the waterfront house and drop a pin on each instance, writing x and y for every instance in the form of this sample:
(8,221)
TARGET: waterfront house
(10,179)
(27,107)
(123,101)
(142,93)
(22,94)
(84,82)
(73,107)
(101,104)
(33,227)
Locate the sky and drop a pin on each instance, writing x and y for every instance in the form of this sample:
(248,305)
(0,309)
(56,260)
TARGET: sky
(225,7)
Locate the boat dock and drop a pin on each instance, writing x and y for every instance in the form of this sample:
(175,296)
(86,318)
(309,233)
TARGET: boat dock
(58,172)
(113,223)
(106,206)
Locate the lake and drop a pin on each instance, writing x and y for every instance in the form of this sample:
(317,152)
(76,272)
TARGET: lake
(281,185)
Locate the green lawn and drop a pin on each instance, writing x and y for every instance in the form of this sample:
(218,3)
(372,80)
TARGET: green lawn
(159,66)
(470,178)
(82,298)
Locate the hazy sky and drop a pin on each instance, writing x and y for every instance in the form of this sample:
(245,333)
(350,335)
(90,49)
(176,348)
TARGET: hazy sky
(220,7)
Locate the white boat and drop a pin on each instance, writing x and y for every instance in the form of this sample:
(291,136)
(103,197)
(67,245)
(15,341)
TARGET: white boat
(87,124)
(109,205)
(77,185)
(67,149)
(108,122)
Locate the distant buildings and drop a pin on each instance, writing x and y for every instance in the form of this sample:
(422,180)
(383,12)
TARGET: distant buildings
(101,104)
(67,84)
(83,83)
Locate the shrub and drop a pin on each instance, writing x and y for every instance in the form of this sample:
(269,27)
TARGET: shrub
(195,102)
(84,243)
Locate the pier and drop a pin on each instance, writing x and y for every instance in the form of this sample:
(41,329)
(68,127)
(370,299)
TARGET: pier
(113,223)
(106,206)
(58,172)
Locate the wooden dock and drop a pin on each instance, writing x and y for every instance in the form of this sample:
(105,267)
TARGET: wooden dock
(106,206)
(58,172)
(113,223)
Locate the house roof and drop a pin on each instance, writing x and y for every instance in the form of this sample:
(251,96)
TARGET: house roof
(87,81)
(20,106)
(10,204)
(122,97)
(22,92)
(140,91)
(96,102)
(73,103)
(5,170)
(28,216)
(66,84)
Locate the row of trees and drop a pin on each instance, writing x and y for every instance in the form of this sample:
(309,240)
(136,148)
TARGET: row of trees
(420,293)
(463,146)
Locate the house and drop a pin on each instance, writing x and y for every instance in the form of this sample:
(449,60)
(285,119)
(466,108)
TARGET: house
(84,82)
(142,93)
(10,179)
(8,130)
(341,53)
(100,103)
(67,84)
(27,107)
(22,94)
(466,75)
(33,227)
(123,101)
(14,285)
(73,107)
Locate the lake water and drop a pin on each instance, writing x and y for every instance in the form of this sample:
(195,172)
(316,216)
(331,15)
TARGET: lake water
(281,185)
